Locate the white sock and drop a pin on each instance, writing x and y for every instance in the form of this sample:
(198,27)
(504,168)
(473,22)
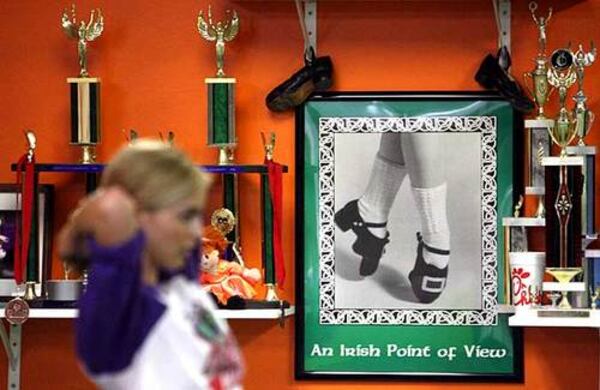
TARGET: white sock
(375,204)
(431,204)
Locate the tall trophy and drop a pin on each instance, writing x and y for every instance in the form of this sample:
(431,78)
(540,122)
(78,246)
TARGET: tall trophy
(85,90)
(584,118)
(537,137)
(564,182)
(221,103)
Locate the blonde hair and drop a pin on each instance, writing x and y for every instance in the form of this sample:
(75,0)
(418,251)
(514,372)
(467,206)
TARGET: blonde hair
(155,175)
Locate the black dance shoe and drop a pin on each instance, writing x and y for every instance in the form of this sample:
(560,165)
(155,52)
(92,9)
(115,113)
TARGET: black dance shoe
(428,281)
(493,75)
(367,245)
(314,76)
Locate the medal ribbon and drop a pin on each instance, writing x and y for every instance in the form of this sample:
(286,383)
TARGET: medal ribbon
(275,176)
(25,166)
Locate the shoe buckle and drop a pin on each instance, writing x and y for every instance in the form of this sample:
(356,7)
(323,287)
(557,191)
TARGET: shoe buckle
(432,284)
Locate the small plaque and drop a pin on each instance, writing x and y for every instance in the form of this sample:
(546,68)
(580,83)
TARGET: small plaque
(563,314)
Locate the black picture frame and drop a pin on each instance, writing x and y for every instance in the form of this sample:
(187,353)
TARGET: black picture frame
(302,372)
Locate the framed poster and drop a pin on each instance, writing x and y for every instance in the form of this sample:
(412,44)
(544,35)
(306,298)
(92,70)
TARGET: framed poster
(10,212)
(399,204)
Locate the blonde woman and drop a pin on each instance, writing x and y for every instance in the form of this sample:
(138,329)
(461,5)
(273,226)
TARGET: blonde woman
(144,322)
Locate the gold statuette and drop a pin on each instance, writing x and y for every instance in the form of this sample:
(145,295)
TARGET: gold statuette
(84,33)
(584,117)
(539,76)
(220,33)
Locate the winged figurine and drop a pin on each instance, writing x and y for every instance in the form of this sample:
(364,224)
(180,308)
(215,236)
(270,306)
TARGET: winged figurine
(221,32)
(84,33)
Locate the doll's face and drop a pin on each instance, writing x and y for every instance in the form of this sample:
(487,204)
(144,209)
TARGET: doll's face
(209,261)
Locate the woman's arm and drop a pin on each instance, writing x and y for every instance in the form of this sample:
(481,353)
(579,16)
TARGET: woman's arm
(117,311)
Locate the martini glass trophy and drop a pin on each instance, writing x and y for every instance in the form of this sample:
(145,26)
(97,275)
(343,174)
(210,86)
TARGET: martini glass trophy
(537,137)
(85,90)
(563,179)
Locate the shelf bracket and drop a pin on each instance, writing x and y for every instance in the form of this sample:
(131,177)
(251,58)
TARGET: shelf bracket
(503,18)
(310,21)
(12,346)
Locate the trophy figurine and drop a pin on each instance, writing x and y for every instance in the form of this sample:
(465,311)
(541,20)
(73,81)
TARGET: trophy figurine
(85,90)
(583,115)
(537,137)
(221,104)
(540,90)
(583,122)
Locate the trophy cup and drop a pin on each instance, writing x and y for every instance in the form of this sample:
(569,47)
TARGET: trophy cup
(584,119)
(537,138)
(85,90)
(221,105)
(563,183)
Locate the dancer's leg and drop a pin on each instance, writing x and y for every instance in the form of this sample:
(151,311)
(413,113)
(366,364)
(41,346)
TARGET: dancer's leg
(387,174)
(422,152)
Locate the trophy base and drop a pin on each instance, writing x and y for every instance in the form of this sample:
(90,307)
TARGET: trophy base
(64,290)
(226,156)
(271,295)
(88,154)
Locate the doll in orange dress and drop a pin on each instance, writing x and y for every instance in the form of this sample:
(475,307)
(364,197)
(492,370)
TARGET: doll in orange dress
(225,279)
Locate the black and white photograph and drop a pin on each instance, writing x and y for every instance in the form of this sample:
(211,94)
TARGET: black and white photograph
(418,199)
(408,219)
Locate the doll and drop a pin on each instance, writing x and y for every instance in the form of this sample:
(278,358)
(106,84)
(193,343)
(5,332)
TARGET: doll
(225,279)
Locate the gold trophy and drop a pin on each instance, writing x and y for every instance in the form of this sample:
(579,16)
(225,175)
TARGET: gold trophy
(540,89)
(584,117)
(562,76)
(537,138)
(221,98)
(85,90)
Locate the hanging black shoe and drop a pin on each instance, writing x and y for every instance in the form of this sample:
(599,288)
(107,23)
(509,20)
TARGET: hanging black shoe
(367,245)
(428,281)
(493,74)
(316,75)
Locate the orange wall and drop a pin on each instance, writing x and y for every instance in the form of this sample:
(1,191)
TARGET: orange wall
(152,63)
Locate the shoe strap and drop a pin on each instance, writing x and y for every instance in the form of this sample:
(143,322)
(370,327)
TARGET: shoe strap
(432,249)
(374,225)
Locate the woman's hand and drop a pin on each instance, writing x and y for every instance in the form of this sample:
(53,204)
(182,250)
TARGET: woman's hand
(108,215)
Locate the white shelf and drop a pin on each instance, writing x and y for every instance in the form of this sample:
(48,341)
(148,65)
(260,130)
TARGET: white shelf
(265,314)
(229,314)
(524,221)
(532,318)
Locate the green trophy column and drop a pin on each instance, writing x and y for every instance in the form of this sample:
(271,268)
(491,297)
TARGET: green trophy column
(267,219)
(221,116)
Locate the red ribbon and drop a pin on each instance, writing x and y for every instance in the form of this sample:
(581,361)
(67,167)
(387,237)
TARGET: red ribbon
(275,187)
(23,232)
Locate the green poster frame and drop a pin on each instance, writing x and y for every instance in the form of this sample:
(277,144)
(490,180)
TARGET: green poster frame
(403,344)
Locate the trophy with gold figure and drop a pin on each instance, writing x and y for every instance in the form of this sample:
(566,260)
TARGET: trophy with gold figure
(564,181)
(85,90)
(221,103)
(537,138)
(584,118)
